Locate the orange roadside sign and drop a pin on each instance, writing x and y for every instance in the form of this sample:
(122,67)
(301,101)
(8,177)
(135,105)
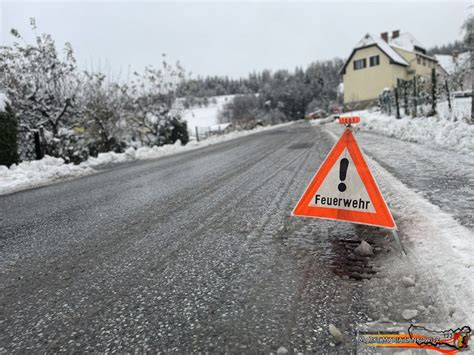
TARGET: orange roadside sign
(344,189)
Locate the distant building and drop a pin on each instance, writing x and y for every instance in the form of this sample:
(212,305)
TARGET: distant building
(377,62)
(456,68)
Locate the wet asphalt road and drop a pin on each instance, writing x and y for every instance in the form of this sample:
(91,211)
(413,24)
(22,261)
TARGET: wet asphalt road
(192,252)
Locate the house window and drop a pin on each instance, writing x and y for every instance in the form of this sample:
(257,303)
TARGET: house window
(418,59)
(375,60)
(360,64)
(424,61)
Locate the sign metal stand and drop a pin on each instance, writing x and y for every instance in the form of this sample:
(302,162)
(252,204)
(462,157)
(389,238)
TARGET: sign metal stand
(356,119)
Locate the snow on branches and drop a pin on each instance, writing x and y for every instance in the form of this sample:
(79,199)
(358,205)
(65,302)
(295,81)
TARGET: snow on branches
(68,113)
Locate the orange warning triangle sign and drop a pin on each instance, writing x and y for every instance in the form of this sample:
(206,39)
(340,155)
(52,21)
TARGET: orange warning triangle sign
(344,189)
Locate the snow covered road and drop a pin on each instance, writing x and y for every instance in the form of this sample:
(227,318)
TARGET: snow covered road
(198,252)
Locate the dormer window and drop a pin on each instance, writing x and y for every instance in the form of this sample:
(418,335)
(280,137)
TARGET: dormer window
(419,49)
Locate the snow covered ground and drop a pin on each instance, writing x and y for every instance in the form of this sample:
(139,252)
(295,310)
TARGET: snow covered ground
(439,248)
(448,129)
(41,172)
(205,116)
(439,254)
(426,184)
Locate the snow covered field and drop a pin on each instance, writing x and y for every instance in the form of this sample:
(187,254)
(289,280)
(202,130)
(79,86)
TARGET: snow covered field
(41,172)
(205,116)
(447,130)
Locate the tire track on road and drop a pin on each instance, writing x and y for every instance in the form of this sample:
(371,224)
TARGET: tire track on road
(217,209)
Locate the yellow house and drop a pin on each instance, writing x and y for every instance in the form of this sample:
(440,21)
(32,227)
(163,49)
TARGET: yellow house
(377,62)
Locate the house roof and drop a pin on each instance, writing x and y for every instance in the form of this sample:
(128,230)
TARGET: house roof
(451,65)
(371,40)
(406,41)
(384,47)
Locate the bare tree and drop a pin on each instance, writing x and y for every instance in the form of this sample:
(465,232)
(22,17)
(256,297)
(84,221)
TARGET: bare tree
(104,110)
(154,103)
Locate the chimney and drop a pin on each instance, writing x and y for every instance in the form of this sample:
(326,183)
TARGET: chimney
(384,36)
(395,34)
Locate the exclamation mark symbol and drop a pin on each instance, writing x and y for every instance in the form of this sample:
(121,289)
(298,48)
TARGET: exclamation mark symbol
(342,174)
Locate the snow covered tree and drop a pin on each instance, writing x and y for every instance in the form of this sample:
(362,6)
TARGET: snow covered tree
(153,106)
(66,113)
(313,106)
(105,107)
(41,85)
(241,111)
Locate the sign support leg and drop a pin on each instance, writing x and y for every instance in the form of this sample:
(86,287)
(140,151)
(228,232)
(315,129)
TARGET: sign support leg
(399,242)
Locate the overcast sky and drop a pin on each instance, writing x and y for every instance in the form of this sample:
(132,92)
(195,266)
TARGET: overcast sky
(225,38)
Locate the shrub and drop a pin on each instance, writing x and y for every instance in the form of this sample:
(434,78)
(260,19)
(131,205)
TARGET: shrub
(8,137)
(179,131)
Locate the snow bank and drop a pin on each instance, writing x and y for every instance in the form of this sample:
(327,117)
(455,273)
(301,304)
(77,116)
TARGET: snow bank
(40,172)
(321,121)
(439,130)
(437,245)
(146,153)
(3,102)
